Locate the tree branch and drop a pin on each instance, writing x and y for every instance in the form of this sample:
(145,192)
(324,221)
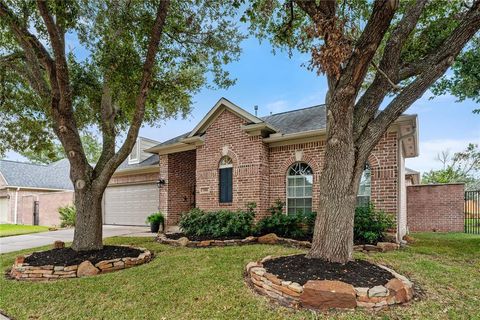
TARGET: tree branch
(155,35)
(367,106)
(58,46)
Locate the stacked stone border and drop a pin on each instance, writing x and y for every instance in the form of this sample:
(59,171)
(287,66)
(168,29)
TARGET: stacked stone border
(326,294)
(25,272)
(266,239)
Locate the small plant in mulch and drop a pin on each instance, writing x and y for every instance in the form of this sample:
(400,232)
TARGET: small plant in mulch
(69,257)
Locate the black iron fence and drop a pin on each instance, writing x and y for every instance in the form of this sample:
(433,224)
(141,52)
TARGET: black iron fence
(472,212)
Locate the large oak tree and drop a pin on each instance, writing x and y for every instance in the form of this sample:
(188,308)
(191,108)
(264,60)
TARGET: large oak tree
(67,66)
(368,50)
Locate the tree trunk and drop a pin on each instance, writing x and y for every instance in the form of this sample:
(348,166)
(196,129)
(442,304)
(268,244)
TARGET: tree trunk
(333,233)
(89,222)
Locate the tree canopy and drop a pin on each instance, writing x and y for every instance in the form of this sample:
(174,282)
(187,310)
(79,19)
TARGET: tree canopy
(105,45)
(461,167)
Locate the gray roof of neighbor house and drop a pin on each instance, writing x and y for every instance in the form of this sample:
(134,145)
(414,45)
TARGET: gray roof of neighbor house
(28,175)
(150,161)
(300,120)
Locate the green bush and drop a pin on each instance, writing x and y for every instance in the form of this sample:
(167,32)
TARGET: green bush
(371,225)
(286,225)
(156,218)
(68,216)
(222,223)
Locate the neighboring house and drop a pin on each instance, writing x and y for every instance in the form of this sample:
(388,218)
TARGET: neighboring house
(32,193)
(233,157)
(412,177)
(132,193)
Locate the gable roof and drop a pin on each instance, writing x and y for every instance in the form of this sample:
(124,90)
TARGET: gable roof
(29,175)
(221,105)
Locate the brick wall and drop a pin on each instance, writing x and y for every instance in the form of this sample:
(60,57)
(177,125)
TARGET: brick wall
(134,178)
(435,207)
(259,171)
(178,193)
(250,165)
(49,202)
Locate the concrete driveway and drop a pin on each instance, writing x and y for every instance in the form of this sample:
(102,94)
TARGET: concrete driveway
(28,241)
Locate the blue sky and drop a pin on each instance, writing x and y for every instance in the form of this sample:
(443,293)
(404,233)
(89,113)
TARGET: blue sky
(277,83)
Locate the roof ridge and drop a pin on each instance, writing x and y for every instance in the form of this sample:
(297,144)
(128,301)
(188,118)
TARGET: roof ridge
(27,163)
(311,107)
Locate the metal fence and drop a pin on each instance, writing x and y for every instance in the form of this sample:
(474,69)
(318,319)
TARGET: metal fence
(472,212)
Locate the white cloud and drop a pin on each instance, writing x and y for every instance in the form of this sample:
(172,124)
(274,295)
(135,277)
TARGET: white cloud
(429,150)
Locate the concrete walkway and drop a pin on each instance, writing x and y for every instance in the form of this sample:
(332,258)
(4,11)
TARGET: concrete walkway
(28,241)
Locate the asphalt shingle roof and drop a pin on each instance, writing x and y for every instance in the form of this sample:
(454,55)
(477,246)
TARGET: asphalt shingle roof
(300,120)
(53,176)
(150,161)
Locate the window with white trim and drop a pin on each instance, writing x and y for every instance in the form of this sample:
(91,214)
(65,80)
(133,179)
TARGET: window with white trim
(365,187)
(299,188)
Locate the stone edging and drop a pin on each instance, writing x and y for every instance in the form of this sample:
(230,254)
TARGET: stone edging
(270,238)
(326,294)
(25,272)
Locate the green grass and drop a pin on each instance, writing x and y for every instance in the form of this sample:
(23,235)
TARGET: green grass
(7,230)
(183,283)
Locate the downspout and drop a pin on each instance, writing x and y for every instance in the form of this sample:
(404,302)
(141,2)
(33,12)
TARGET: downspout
(15,216)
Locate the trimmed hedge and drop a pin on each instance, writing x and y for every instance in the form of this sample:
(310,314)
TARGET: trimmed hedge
(217,224)
(369,228)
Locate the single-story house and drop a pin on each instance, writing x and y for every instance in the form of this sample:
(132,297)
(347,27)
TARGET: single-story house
(233,157)
(32,193)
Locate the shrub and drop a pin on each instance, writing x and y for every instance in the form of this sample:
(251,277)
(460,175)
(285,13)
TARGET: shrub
(285,225)
(68,216)
(222,223)
(370,224)
(156,218)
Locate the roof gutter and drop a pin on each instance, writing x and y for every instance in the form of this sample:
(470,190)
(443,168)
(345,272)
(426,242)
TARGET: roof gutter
(152,168)
(36,188)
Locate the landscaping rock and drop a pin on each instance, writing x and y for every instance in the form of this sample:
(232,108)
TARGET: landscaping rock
(378,291)
(251,265)
(361,292)
(388,246)
(358,247)
(270,238)
(183,241)
(19,260)
(58,244)
(86,268)
(398,290)
(295,287)
(326,294)
(369,247)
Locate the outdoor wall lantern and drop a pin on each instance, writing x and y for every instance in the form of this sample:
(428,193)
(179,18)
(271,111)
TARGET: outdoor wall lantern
(160,183)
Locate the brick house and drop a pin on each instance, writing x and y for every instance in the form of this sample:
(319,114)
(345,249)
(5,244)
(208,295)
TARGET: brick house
(233,157)
(32,193)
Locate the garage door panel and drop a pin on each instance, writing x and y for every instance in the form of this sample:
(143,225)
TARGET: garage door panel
(130,205)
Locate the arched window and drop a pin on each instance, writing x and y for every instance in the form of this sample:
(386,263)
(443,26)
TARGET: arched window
(299,188)
(365,187)
(225,182)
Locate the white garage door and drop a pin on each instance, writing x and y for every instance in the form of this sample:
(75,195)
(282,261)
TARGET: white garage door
(3,210)
(130,205)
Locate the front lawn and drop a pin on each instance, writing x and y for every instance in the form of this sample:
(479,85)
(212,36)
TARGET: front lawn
(7,230)
(183,283)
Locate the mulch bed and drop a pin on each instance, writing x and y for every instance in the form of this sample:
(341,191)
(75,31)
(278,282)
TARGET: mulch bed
(69,257)
(298,268)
